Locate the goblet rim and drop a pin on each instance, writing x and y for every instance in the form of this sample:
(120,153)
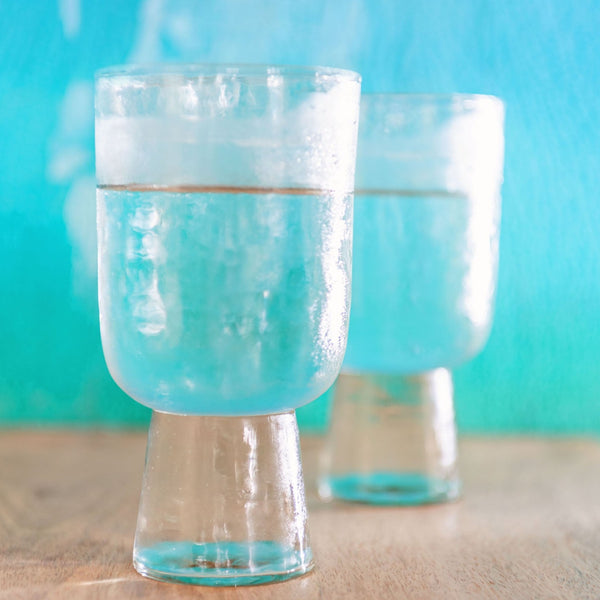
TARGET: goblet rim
(251,72)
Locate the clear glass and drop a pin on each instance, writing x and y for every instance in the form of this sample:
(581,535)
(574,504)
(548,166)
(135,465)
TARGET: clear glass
(427,216)
(224,230)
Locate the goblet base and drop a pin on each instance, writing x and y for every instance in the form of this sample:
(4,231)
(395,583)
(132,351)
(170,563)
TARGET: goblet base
(392,440)
(223,564)
(222,501)
(390,489)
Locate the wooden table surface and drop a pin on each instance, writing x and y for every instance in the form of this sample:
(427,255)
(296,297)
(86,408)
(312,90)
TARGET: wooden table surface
(528,527)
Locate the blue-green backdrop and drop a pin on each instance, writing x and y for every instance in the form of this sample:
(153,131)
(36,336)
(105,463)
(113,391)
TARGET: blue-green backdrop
(538,371)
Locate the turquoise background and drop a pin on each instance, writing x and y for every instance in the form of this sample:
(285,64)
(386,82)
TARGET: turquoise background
(539,370)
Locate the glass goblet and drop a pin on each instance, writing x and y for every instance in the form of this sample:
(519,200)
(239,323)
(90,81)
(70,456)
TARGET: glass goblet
(224,229)
(427,216)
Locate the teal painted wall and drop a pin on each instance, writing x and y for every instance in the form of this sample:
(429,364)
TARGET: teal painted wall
(538,371)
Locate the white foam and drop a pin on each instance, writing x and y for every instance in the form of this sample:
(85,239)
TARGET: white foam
(211,133)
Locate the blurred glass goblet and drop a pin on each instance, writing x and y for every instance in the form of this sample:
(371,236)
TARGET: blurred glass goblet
(225,228)
(427,215)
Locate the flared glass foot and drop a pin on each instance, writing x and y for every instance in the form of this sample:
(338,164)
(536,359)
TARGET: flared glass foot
(392,440)
(222,501)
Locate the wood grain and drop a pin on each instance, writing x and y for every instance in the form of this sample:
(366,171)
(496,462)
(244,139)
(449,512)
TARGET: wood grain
(528,527)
